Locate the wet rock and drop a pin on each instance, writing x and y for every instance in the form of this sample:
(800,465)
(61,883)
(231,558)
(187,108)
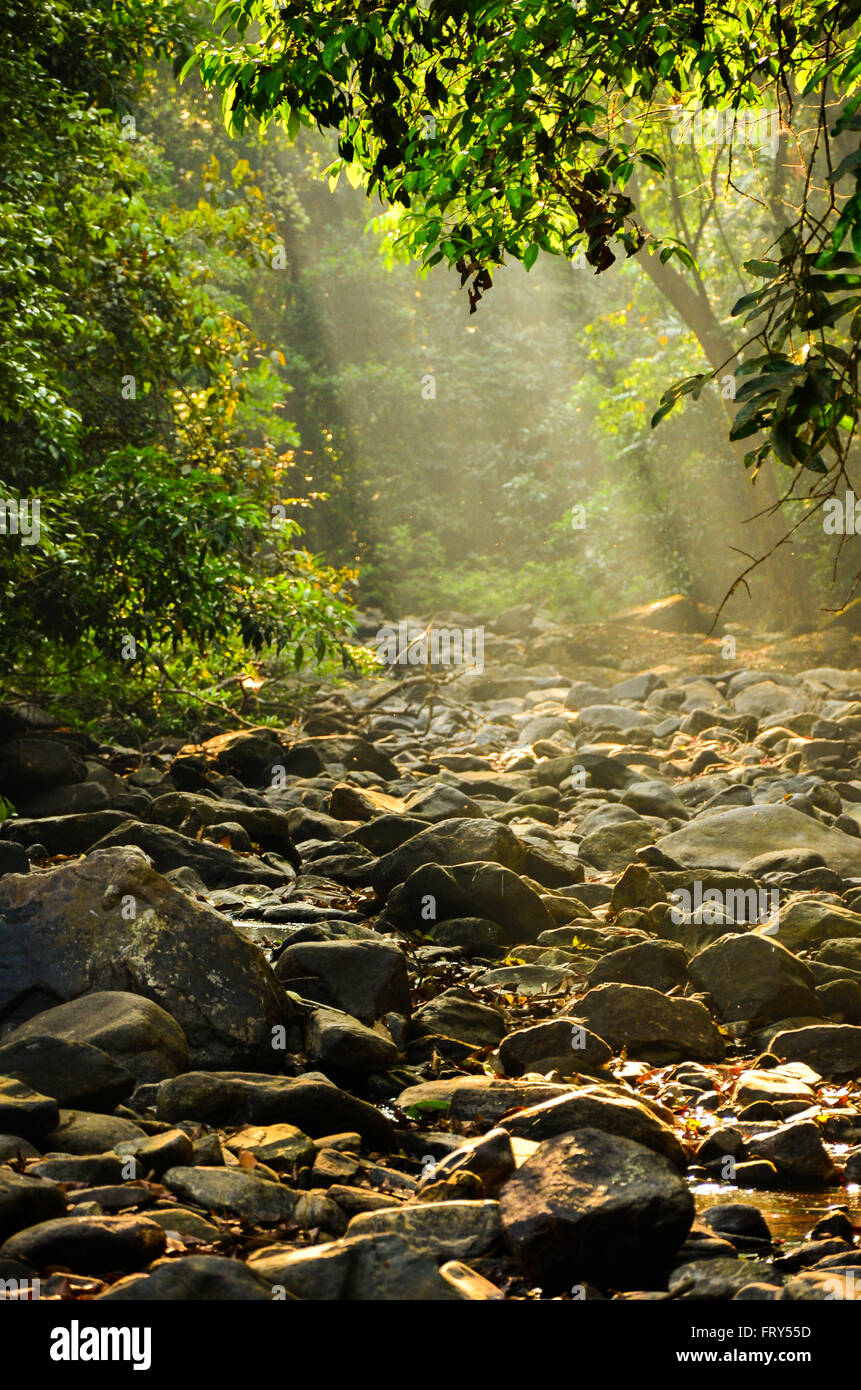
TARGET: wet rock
(772,1086)
(741,1223)
(597,1207)
(754,979)
(68,931)
(797,1152)
(651,1025)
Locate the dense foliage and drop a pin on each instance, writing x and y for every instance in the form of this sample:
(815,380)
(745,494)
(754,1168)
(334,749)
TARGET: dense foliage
(137,407)
(502,129)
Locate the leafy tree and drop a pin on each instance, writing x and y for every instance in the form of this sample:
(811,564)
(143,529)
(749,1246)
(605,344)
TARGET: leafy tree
(137,407)
(503,129)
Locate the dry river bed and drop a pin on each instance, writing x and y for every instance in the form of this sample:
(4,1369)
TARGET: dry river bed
(519,985)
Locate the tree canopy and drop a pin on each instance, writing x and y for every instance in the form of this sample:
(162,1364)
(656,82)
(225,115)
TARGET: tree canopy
(503,129)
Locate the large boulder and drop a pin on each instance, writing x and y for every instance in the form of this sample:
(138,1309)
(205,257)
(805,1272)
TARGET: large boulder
(364,978)
(656,964)
(434,893)
(593,1107)
(110,922)
(67,834)
(557,1044)
(366,1268)
(805,922)
(38,764)
(590,1206)
(74,1073)
(797,1152)
(455,841)
(753,979)
(651,1025)
(310,1102)
(134,1031)
(194,1279)
(88,1244)
(27,1201)
(730,839)
(188,811)
(831,1049)
(246,754)
(168,849)
(613,847)
(25,1112)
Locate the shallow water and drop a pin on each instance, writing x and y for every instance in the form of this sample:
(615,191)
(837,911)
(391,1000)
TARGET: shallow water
(790,1215)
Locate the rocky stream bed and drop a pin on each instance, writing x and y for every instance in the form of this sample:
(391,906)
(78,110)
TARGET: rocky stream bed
(540,982)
